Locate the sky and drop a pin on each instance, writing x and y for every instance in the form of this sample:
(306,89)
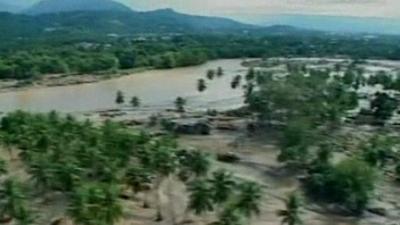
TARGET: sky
(366,8)
(253,10)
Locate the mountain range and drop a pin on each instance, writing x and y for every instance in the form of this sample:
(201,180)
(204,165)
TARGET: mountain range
(121,23)
(108,16)
(343,24)
(113,17)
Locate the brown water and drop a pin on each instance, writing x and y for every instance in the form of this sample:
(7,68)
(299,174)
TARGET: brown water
(157,89)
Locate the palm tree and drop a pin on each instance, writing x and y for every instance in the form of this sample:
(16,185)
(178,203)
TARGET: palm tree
(24,217)
(108,171)
(137,178)
(229,216)
(7,141)
(43,142)
(193,164)
(249,199)
(42,171)
(290,215)
(323,157)
(248,93)
(222,185)
(113,210)
(120,98)
(220,71)
(3,167)
(236,82)
(163,157)
(53,116)
(325,153)
(180,104)
(200,197)
(68,175)
(199,163)
(201,85)
(12,202)
(95,204)
(251,74)
(210,74)
(164,161)
(135,101)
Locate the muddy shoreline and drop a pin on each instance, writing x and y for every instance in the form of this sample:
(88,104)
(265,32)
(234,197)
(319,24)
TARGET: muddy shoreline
(60,80)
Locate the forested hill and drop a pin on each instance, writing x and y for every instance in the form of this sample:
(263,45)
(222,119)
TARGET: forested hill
(102,23)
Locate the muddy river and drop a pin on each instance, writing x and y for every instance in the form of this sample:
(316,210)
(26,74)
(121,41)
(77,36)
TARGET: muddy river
(157,89)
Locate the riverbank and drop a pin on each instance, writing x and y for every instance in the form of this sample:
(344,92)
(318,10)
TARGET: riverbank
(157,89)
(59,80)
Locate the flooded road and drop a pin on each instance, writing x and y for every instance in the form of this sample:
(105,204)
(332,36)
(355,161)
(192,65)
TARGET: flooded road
(156,88)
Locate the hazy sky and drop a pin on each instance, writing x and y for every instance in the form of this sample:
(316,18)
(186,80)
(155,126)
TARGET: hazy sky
(254,9)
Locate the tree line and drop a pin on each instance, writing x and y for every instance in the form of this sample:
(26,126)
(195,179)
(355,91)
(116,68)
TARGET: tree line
(30,60)
(28,65)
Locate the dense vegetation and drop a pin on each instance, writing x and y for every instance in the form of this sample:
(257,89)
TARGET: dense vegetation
(309,107)
(91,57)
(21,59)
(92,164)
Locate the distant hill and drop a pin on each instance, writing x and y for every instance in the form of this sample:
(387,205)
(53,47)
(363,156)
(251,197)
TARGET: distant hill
(121,23)
(339,24)
(92,25)
(6,6)
(56,6)
(181,22)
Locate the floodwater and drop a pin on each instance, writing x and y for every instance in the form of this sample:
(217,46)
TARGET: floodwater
(157,89)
